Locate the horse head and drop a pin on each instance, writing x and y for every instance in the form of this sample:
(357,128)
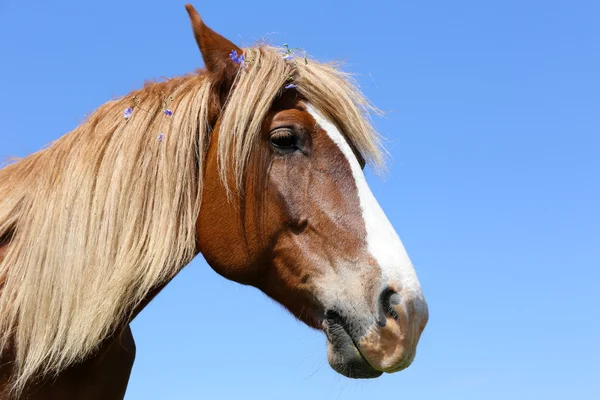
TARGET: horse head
(301,223)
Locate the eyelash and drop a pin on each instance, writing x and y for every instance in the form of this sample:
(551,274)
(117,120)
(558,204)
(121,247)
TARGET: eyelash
(284,139)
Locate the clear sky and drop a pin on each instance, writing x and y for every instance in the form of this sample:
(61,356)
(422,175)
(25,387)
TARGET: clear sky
(493,125)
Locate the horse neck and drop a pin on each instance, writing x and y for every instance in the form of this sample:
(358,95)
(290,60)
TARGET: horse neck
(3,250)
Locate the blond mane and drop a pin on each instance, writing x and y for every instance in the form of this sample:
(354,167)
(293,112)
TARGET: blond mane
(107,213)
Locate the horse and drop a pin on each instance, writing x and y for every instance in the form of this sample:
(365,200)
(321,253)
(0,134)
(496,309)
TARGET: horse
(257,163)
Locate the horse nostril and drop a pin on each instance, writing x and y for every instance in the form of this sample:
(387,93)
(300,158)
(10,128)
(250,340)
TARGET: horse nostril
(388,301)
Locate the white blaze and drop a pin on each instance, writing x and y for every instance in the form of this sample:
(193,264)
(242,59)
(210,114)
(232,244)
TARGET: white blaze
(382,240)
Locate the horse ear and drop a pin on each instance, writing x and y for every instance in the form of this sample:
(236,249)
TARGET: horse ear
(215,48)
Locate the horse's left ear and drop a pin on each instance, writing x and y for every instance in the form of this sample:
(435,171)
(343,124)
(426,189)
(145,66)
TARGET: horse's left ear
(215,49)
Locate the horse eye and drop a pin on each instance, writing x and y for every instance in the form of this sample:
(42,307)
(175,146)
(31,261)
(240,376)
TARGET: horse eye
(284,139)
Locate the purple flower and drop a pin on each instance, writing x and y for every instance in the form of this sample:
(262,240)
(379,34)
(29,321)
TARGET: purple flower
(128,113)
(168,112)
(160,137)
(288,57)
(291,86)
(236,59)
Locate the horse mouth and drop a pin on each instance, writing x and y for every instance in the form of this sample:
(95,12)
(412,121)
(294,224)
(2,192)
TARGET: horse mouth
(342,353)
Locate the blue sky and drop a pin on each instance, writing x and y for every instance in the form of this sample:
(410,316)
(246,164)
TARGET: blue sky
(493,125)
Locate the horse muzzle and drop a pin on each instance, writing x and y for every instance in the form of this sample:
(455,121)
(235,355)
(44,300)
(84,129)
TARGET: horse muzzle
(387,344)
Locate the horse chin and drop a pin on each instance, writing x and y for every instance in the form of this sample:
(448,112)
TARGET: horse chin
(343,355)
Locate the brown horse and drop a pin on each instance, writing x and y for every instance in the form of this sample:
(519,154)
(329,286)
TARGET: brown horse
(257,163)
